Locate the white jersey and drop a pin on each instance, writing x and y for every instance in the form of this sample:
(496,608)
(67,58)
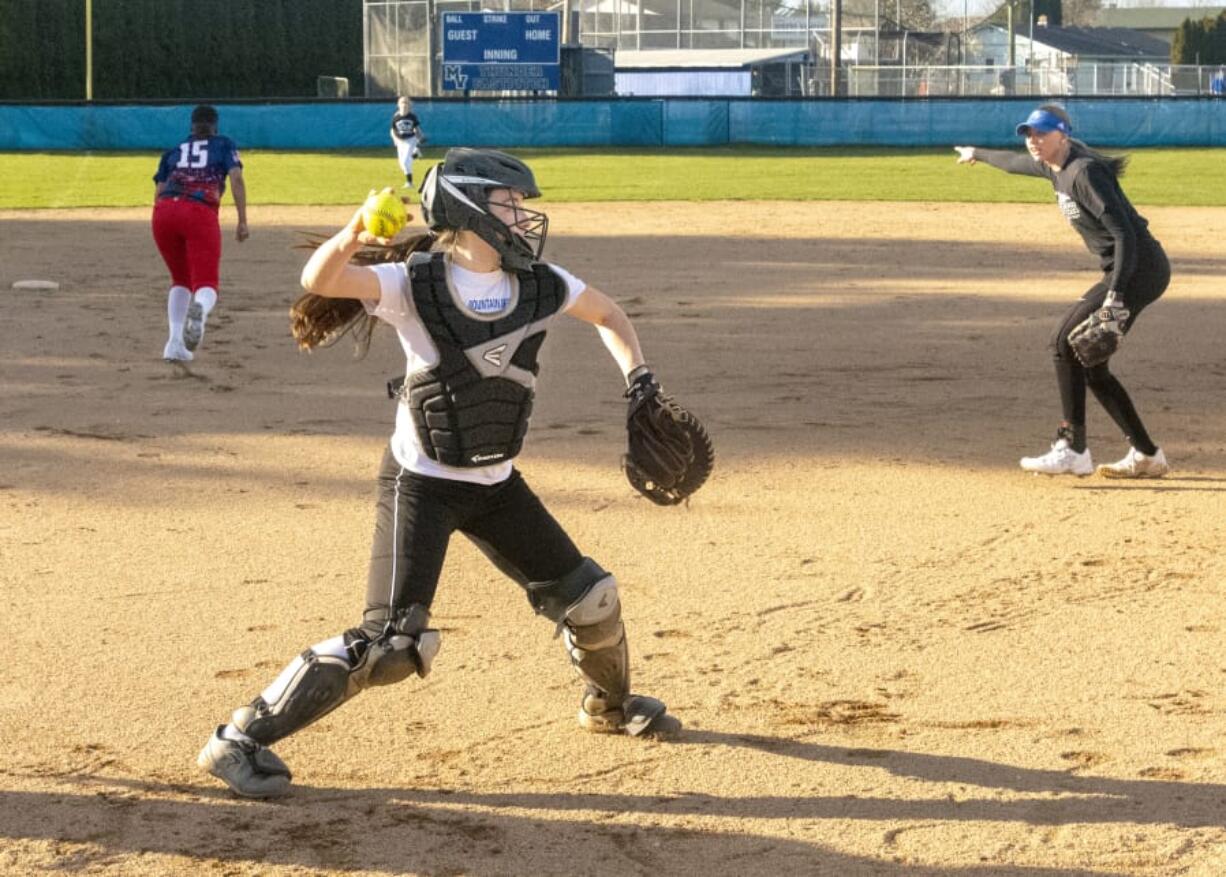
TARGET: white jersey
(482,295)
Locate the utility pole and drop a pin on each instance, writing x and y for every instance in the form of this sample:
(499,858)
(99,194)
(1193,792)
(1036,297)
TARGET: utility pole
(89,49)
(1030,50)
(836,44)
(1012,43)
(432,41)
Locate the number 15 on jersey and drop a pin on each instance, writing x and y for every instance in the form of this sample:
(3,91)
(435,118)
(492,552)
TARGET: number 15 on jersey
(193,154)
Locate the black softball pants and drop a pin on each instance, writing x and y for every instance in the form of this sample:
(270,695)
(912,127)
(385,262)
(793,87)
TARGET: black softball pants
(416,517)
(1148,282)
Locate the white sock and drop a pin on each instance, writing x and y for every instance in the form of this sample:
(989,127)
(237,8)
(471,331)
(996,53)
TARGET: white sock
(229,732)
(206,297)
(177,301)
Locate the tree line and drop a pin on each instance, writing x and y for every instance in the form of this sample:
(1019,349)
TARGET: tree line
(172,49)
(1200,42)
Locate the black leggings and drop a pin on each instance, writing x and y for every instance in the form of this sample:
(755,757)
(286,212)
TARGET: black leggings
(415,517)
(1147,284)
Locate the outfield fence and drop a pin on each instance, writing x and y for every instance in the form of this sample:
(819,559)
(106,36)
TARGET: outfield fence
(342,124)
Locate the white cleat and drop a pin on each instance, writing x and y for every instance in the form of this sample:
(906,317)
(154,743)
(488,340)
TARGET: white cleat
(639,716)
(176,352)
(249,769)
(193,326)
(1136,465)
(1060,460)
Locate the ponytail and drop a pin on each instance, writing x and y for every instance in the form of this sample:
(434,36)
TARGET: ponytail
(319,321)
(1115,164)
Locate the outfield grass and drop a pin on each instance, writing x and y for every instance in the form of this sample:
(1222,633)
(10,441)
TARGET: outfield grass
(1180,177)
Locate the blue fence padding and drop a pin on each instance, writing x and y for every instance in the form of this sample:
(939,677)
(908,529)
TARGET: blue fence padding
(1131,122)
(696,123)
(1128,123)
(258,126)
(542,123)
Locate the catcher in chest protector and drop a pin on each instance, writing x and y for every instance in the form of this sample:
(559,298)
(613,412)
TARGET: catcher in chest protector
(1135,274)
(471,303)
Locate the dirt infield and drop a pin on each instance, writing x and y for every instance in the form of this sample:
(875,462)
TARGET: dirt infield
(894,652)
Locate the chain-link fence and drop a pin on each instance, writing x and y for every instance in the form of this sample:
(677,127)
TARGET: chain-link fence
(1084,79)
(398,49)
(397,37)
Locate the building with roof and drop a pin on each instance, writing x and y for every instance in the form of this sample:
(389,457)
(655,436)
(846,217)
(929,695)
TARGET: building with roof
(1071,60)
(988,44)
(711,72)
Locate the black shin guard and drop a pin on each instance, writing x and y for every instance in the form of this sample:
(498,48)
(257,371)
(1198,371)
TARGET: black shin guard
(329,673)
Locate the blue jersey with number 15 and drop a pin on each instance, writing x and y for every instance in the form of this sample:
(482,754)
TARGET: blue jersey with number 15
(197,169)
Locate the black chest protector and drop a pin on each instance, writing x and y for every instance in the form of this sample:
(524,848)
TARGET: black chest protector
(472,409)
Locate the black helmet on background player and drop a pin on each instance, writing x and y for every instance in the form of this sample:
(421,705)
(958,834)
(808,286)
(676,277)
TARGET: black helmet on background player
(455,195)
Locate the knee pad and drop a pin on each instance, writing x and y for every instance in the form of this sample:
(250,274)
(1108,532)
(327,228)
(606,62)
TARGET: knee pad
(595,620)
(554,599)
(329,673)
(405,646)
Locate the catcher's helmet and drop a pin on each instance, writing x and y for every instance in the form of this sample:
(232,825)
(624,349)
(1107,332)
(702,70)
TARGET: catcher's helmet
(455,195)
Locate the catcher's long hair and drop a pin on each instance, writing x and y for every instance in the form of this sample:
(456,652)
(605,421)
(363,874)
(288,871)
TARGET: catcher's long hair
(319,321)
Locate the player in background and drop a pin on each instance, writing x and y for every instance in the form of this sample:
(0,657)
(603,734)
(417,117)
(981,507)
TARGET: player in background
(470,318)
(408,137)
(1135,273)
(190,180)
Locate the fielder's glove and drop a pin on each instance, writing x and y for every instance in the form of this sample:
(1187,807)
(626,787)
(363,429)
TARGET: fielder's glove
(1099,335)
(670,454)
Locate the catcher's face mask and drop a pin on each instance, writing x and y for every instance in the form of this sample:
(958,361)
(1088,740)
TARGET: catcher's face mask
(507,206)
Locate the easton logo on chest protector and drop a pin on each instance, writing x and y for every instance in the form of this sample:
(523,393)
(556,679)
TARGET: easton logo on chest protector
(473,408)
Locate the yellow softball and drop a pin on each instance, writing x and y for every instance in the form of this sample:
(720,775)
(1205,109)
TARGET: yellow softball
(383,214)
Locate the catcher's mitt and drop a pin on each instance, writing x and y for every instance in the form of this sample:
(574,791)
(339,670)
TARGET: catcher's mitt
(1099,335)
(670,454)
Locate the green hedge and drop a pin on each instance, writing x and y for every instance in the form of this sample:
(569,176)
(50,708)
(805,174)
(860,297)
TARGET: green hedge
(150,49)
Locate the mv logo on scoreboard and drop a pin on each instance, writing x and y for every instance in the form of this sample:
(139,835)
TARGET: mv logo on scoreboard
(454,77)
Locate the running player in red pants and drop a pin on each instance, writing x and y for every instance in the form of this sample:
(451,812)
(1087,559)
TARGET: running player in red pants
(191,179)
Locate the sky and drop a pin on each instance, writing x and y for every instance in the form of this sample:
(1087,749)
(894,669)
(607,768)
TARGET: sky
(980,8)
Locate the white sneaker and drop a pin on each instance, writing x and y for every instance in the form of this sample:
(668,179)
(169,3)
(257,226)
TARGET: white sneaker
(1136,465)
(1060,460)
(251,770)
(176,352)
(193,326)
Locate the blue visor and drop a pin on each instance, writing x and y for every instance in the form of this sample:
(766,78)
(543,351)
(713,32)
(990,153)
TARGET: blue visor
(1043,122)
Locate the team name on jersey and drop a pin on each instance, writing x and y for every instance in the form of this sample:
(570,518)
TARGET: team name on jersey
(488,305)
(1068,207)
